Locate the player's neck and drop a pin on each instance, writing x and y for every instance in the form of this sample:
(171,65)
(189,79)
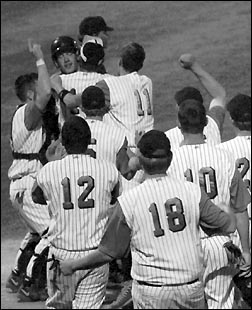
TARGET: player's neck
(99,118)
(191,139)
(155,175)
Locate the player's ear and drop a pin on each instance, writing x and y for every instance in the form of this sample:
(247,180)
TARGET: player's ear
(30,95)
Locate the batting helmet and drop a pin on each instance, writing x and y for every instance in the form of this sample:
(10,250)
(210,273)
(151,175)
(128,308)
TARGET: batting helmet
(63,44)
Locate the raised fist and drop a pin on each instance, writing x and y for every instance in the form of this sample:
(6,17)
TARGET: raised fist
(35,49)
(186,61)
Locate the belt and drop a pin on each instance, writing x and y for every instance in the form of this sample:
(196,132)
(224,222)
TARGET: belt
(159,285)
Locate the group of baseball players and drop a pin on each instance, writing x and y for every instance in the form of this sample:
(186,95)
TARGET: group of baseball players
(108,199)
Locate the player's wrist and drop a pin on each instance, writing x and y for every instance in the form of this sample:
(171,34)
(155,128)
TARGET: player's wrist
(40,62)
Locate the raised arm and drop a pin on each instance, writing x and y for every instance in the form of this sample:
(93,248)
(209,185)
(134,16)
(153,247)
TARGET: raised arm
(34,110)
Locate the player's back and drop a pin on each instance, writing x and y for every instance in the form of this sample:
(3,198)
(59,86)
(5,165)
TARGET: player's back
(163,214)
(24,141)
(106,141)
(211,133)
(240,147)
(78,188)
(80,80)
(131,104)
(205,165)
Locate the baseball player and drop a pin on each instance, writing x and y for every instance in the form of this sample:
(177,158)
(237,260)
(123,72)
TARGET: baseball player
(159,220)
(29,139)
(107,142)
(239,108)
(95,27)
(129,95)
(92,54)
(214,170)
(80,191)
(216,110)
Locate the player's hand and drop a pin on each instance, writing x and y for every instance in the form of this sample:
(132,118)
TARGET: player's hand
(186,61)
(66,267)
(35,49)
(55,150)
(245,265)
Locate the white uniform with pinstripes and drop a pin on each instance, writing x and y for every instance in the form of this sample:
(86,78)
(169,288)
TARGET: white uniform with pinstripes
(131,104)
(219,288)
(240,147)
(77,231)
(173,256)
(108,140)
(22,172)
(79,81)
(211,132)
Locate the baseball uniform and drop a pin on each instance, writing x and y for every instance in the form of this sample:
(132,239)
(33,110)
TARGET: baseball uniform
(214,170)
(162,217)
(22,172)
(130,100)
(79,81)
(212,130)
(240,147)
(78,188)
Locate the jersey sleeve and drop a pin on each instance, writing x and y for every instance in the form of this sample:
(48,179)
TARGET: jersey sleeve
(116,239)
(239,195)
(217,113)
(104,87)
(212,218)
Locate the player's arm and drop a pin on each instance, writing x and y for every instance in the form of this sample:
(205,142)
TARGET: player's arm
(217,106)
(104,87)
(34,110)
(239,200)
(66,97)
(123,163)
(114,244)
(213,219)
(37,194)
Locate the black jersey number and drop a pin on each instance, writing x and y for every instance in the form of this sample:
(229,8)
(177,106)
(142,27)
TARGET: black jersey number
(82,202)
(175,216)
(140,111)
(243,165)
(207,180)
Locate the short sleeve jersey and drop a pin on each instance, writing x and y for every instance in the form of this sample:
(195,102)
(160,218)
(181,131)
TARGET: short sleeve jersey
(78,189)
(163,216)
(131,106)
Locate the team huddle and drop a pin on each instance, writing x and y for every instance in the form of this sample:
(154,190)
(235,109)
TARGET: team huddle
(107,198)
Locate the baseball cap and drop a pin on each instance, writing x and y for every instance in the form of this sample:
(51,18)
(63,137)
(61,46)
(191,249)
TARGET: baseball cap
(154,144)
(239,108)
(93,98)
(93,25)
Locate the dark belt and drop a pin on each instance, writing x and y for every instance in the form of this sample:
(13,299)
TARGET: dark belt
(159,285)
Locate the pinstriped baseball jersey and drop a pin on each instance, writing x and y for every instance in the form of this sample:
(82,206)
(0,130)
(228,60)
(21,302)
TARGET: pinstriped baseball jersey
(211,132)
(240,147)
(131,104)
(79,81)
(106,140)
(164,225)
(78,188)
(25,141)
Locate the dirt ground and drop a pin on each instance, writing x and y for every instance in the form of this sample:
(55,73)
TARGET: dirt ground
(9,300)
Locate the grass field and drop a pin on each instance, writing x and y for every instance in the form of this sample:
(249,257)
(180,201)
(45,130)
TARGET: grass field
(217,33)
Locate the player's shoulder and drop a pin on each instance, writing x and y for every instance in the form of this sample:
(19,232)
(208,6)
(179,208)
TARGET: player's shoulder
(172,131)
